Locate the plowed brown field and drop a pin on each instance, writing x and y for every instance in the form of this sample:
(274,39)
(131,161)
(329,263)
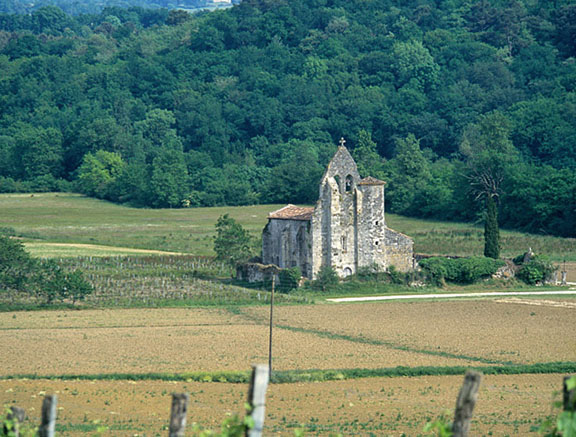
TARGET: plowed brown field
(493,330)
(507,405)
(367,335)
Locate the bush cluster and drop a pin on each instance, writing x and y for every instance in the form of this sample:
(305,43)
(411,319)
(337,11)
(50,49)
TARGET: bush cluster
(376,273)
(289,279)
(459,270)
(44,279)
(537,270)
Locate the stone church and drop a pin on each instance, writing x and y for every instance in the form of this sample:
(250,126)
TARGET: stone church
(345,230)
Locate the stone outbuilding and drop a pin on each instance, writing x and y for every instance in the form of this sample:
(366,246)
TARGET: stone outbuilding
(345,230)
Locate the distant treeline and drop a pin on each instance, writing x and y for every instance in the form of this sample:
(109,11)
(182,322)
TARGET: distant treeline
(246,105)
(75,7)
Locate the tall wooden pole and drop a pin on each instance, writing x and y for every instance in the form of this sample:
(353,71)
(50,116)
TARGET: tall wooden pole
(271,323)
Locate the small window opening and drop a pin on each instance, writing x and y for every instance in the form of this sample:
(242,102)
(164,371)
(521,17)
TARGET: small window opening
(376,242)
(348,183)
(377,223)
(344,244)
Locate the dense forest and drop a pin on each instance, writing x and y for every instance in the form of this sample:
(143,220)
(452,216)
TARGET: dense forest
(75,7)
(447,101)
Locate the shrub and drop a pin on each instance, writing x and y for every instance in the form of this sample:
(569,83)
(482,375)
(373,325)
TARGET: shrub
(367,273)
(537,270)
(20,272)
(460,270)
(54,283)
(475,268)
(289,279)
(232,241)
(396,277)
(326,277)
(15,265)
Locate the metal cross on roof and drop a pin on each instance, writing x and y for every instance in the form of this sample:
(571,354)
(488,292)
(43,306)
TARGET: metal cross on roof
(342,142)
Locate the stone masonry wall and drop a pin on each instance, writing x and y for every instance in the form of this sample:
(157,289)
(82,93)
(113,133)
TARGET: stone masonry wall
(286,243)
(334,219)
(371,233)
(399,250)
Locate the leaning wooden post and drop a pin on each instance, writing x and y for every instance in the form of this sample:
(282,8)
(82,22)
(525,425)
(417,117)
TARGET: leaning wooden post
(568,395)
(257,398)
(465,404)
(178,414)
(16,416)
(48,423)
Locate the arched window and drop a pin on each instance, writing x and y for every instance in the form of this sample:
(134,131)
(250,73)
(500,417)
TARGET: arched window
(344,244)
(348,183)
(337,179)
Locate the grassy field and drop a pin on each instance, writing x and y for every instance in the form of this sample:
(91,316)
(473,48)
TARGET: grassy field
(118,366)
(352,338)
(77,220)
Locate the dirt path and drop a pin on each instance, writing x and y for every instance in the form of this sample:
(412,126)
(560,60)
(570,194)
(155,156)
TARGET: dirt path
(572,291)
(97,248)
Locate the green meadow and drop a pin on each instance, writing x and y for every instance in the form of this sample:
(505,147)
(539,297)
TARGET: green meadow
(88,227)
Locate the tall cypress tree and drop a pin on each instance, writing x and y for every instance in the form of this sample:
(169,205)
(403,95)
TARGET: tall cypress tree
(491,230)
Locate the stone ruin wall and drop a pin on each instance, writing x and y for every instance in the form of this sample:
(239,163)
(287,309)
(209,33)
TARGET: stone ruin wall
(256,272)
(399,251)
(292,249)
(370,228)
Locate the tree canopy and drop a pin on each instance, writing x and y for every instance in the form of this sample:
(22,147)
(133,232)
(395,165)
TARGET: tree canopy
(246,105)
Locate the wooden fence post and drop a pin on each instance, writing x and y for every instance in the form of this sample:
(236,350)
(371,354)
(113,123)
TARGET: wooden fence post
(48,424)
(568,396)
(257,398)
(178,414)
(465,404)
(16,416)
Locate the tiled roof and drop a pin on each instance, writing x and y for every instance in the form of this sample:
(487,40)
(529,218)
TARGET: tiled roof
(292,212)
(371,181)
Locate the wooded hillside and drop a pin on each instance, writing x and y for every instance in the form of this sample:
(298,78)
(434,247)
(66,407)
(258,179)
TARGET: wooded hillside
(246,105)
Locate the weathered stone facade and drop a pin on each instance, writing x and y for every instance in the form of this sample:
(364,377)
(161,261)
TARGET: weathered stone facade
(345,230)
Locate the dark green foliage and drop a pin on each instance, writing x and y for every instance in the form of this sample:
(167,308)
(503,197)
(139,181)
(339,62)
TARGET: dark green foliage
(459,270)
(396,277)
(45,279)
(374,273)
(16,266)
(538,269)
(491,230)
(326,277)
(251,105)
(232,241)
(315,375)
(289,279)
(53,283)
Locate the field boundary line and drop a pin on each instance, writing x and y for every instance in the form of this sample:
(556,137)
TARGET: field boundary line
(311,375)
(450,295)
(375,342)
(187,325)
